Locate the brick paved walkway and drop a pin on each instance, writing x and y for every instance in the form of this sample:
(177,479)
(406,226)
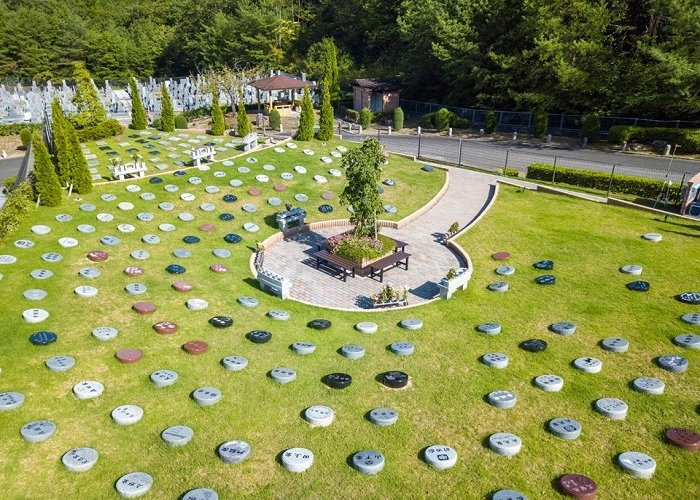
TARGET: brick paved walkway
(467,195)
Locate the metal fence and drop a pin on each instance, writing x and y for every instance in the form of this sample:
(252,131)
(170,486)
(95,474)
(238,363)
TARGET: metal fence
(559,124)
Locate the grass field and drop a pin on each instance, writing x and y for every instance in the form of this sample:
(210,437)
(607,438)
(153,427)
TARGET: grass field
(444,403)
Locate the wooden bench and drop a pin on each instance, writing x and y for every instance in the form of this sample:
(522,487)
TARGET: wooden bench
(396,259)
(335,262)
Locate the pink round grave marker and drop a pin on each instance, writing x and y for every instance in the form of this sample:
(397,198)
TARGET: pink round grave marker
(97,256)
(219,268)
(207,227)
(578,486)
(501,256)
(133,271)
(144,308)
(327,195)
(254,191)
(280,187)
(165,327)
(182,286)
(195,347)
(685,438)
(128,356)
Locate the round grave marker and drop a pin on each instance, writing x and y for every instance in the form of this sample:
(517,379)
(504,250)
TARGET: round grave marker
(338,380)
(689,297)
(191,240)
(502,399)
(206,396)
(40,229)
(440,457)
(155,180)
(128,356)
(35,294)
(43,338)
(614,409)
(248,301)
(402,348)
(303,347)
(133,188)
(297,459)
(97,256)
(327,195)
(41,274)
(301,197)
(283,375)
(89,272)
(187,197)
(85,291)
(175,269)
(181,253)
(549,383)
(52,257)
(207,207)
(366,327)
(251,227)
(125,205)
(163,378)
(546,279)
(167,228)
(104,333)
(218,268)
(578,486)
(212,189)
(196,304)
(368,462)
(37,431)
(35,315)
(127,414)
(134,484)
(144,308)
(352,351)
(135,288)
(411,324)
(673,363)
(165,327)
(166,205)
(655,237)
(637,464)
(495,360)
(80,459)
(545,265)
(10,400)
(147,196)
(133,271)
(319,324)
(588,365)
(692,318)
(108,197)
(182,286)
(221,322)
(250,208)
(222,253)
(565,428)
(280,187)
(688,340)
(505,444)
(194,180)
(233,452)
(325,209)
(499,286)
(151,239)
(631,269)
(88,389)
(24,244)
(505,270)
(383,417)
(259,336)
(177,435)
(126,228)
(236,182)
(88,207)
(278,314)
(648,385)
(234,363)
(638,286)
(489,328)
(533,345)
(103,217)
(232,238)
(86,228)
(564,328)
(319,415)
(185,216)
(685,438)
(615,344)
(68,242)
(59,364)
(395,379)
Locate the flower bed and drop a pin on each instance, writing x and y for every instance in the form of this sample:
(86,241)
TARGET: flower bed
(361,250)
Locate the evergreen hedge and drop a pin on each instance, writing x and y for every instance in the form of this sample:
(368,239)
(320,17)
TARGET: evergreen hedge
(397,121)
(242,122)
(325,121)
(25,135)
(306,120)
(442,119)
(365,117)
(16,128)
(687,138)
(275,119)
(108,128)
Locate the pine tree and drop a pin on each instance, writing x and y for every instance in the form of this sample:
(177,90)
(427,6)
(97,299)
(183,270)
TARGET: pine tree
(91,112)
(46,185)
(138,115)
(306,120)
(80,172)
(325,122)
(330,70)
(242,117)
(167,116)
(59,126)
(217,117)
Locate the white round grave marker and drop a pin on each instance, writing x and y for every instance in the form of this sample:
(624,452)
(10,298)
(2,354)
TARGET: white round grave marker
(125,205)
(206,396)
(37,431)
(297,459)
(655,237)
(177,435)
(319,415)
(35,294)
(10,259)
(127,414)
(40,229)
(278,315)
(80,459)
(134,484)
(185,216)
(648,385)
(24,244)
(35,315)
(366,327)
(383,417)
(502,399)
(126,228)
(133,188)
(440,457)
(88,389)
(85,291)
(105,333)
(614,409)
(102,217)
(304,347)
(588,365)
(248,301)
(631,269)
(283,375)
(86,228)
(197,304)
(166,228)
(148,196)
(495,360)
(637,464)
(233,452)
(89,272)
(550,383)
(411,324)
(68,242)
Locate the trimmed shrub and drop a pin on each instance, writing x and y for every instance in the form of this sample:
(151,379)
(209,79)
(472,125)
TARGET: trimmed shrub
(306,120)
(138,115)
(108,128)
(397,121)
(81,177)
(25,135)
(352,115)
(626,184)
(217,117)
(18,206)
(242,122)
(511,172)
(355,248)
(687,139)
(180,121)
(442,119)
(275,119)
(540,125)
(591,127)
(158,124)
(167,115)
(365,117)
(10,183)
(16,128)
(491,123)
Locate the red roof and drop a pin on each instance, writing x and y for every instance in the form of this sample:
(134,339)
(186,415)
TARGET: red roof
(281,82)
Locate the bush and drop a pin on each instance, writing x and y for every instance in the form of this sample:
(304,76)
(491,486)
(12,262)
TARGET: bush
(511,172)
(350,247)
(10,183)
(627,184)
(352,115)
(18,206)
(397,121)
(591,127)
(365,117)
(442,119)
(687,139)
(25,135)
(275,119)
(158,123)
(491,123)
(540,126)
(16,128)
(108,128)
(193,114)
(180,122)
(382,117)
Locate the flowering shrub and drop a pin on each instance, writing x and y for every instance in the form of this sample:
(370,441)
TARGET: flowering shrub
(389,294)
(354,248)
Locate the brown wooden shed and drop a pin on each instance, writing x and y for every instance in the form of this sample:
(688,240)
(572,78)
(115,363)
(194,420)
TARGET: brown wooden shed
(377,94)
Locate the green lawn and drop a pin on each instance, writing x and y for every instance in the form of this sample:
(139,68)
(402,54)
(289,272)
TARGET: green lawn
(445,401)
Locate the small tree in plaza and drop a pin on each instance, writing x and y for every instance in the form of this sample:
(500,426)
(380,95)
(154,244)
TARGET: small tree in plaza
(306,120)
(363,167)
(138,115)
(167,116)
(242,116)
(217,117)
(325,122)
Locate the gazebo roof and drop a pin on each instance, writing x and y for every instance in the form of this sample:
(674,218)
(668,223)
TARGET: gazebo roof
(281,82)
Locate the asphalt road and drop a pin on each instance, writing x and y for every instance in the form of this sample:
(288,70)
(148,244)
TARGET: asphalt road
(8,167)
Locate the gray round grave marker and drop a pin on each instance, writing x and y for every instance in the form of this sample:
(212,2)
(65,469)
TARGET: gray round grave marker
(207,207)
(134,484)
(692,318)
(86,228)
(35,294)
(88,207)
(278,315)
(283,375)
(235,182)
(234,363)
(508,495)
(250,208)
(181,253)
(163,378)
(126,228)
(110,241)
(194,180)
(352,351)
(148,196)
(89,272)
(167,228)
(495,360)
(85,291)
(383,417)
(549,383)
(171,188)
(51,257)
(301,197)
(499,286)
(248,301)
(24,244)
(440,457)
(268,167)
(140,254)
(613,408)
(37,431)
(632,269)
(227,163)
(637,464)
(505,270)
(299,169)
(489,328)
(206,396)
(8,259)
(145,216)
(402,348)
(673,363)
(233,452)
(688,340)
(68,242)
(319,415)
(565,428)
(286,176)
(648,385)
(297,459)
(59,364)
(303,347)
(127,414)
(105,333)
(221,253)
(35,315)
(564,328)
(108,197)
(615,344)
(135,288)
(197,304)
(505,444)
(502,399)
(41,229)
(177,435)
(655,237)
(212,189)
(64,218)
(133,188)
(41,274)
(10,400)
(185,216)
(88,389)
(588,365)
(368,462)
(366,327)
(274,201)
(201,494)
(411,324)
(80,459)
(151,239)
(166,205)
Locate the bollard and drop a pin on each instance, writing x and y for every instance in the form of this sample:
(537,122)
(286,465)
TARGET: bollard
(449,131)
(418,130)
(584,143)
(359,129)
(281,129)
(349,127)
(549,139)
(624,146)
(481,132)
(515,135)
(388,130)
(667,150)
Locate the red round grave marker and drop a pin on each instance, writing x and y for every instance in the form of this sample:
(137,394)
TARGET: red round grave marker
(128,356)
(254,191)
(219,268)
(144,308)
(327,195)
(165,327)
(685,438)
(195,347)
(578,486)
(98,256)
(133,271)
(207,227)
(280,187)
(501,256)
(182,286)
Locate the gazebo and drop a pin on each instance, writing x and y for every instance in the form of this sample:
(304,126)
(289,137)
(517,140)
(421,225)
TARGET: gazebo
(281,82)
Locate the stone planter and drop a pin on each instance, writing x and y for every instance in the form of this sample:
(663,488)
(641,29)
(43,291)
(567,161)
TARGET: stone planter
(461,280)
(391,303)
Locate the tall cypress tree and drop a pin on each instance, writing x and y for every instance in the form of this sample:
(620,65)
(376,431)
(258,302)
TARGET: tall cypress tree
(306,120)
(217,117)
(325,122)
(91,112)
(80,172)
(138,115)
(167,117)
(47,188)
(242,116)
(59,126)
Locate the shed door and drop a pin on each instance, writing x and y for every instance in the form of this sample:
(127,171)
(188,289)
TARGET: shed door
(375,102)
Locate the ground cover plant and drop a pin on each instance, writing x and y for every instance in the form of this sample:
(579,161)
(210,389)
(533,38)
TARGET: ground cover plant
(444,402)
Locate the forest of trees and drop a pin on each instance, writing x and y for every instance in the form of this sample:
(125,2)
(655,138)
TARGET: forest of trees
(616,57)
